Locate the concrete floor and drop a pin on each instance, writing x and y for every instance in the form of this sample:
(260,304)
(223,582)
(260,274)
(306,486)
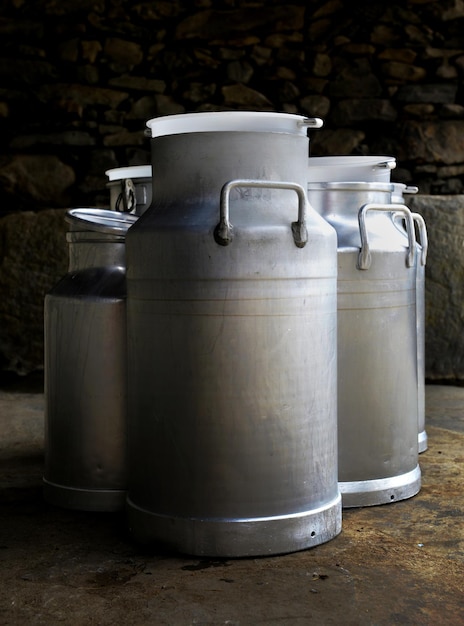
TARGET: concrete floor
(401,563)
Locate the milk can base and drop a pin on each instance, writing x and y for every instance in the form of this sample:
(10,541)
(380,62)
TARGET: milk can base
(237,537)
(380,491)
(422,441)
(98,500)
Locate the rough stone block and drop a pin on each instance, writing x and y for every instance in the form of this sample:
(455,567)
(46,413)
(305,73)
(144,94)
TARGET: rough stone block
(33,257)
(444,284)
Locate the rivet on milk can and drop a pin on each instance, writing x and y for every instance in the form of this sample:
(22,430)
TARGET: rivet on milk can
(85,367)
(232,342)
(377,342)
(399,192)
(130,188)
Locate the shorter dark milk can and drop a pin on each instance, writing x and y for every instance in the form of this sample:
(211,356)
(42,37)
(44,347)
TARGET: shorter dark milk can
(85,367)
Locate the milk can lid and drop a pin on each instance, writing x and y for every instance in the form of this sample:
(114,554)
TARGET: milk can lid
(133,171)
(244,121)
(381,162)
(350,168)
(101,220)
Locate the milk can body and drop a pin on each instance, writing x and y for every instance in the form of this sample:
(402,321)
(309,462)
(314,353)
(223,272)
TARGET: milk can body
(399,193)
(420,327)
(232,348)
(377,343)
(85,374)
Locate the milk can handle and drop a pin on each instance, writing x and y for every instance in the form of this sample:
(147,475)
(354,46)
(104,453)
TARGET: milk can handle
(364,258)
(423,239)
(223,231)
(126,196)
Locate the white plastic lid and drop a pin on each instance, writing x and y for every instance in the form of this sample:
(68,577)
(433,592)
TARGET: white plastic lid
(382,162)
(350,168)
(135,171)
(218,121)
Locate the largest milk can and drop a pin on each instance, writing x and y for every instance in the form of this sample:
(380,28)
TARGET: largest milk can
(377,341)
(232,342)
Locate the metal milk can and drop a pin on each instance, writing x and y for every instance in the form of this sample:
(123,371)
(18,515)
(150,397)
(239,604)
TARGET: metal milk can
(85,367)
(232,342)
(399,192)
(130,188)
(377,342)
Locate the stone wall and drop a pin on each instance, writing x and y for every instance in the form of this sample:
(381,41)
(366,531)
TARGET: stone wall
(33,257)
(444,285)
(79,79)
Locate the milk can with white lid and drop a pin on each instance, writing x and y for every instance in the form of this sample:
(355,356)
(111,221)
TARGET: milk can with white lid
(130,188)
(377,341)
(85,367)
(400,194)
(232,342)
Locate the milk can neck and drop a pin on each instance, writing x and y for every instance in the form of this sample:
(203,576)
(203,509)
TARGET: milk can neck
(193,167)
(87,250)
(345,199)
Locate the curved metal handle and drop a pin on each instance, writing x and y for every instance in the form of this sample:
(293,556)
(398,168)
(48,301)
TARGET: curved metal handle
(423,239)
(223,233)
(364,258)
(311,122)
(126,196)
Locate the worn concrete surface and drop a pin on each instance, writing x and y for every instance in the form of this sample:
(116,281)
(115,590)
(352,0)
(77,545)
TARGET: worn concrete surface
(401,563)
